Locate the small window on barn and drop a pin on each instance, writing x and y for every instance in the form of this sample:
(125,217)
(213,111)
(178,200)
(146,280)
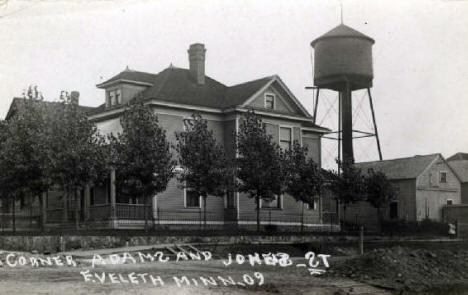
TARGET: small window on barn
(192,199)
(270,101)
(443,177)
(449,202)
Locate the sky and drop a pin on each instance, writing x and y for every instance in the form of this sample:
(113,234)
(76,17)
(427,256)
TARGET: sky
(420,55)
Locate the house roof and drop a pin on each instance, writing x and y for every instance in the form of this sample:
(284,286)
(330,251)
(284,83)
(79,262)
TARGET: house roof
(342,31)
(461,169)
(402,168)
(175,85)
(130,75)
(238,94)
(16,103)
(458,157)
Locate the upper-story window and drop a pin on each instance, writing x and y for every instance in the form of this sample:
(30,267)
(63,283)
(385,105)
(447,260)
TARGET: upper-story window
(270,101)
(115,97)
(285,137)
(443,177)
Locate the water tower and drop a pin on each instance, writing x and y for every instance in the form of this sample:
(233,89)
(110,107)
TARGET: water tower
(343,63)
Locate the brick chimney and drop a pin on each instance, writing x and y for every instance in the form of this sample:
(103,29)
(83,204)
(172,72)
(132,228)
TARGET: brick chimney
(196,54)
(75,97)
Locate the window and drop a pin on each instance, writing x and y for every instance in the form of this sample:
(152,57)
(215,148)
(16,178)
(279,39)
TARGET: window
(443,177)
(231,200)
(92,196)
(393,210)
(449,202)
(192,199)
(285,138)
(313,206)
(274,203)
(115,97)
(270,101)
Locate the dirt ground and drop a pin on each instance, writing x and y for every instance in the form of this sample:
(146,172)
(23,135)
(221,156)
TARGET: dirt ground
(277,280)
(418,267)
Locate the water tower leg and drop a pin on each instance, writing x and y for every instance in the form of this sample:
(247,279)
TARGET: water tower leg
(375,124)
(346,104)
(316,104)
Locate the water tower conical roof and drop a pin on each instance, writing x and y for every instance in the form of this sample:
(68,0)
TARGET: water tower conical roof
(342,31)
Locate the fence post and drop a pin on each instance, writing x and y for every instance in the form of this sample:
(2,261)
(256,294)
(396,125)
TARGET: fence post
(361,240)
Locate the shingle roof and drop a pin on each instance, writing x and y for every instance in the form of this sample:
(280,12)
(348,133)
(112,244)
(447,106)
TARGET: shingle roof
(403,168)
(342,31)
(237,94)
(176,85)
(16,102)
(458,156)
(461,169)
(131,76)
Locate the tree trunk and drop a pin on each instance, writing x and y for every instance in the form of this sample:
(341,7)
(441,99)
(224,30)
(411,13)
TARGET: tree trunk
(14,214)
(204,210)
(77,217)
(258,212)
(302,217)
(379,216)
(145,213)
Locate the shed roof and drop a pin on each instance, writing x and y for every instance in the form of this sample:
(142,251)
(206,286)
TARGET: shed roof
(402,168)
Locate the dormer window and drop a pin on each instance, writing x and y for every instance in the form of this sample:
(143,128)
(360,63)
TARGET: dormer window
(114,98)
(270,101)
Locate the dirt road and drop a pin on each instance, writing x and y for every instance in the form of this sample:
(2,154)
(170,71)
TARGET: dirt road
(202,277)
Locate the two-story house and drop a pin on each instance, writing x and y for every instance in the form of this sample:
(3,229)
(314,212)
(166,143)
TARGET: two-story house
(174,94)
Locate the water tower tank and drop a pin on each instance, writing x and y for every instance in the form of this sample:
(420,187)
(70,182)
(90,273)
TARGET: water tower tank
(343,54)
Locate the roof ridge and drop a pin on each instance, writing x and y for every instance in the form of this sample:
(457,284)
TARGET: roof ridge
(404,158)
(255,80)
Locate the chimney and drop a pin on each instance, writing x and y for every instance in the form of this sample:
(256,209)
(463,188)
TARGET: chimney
(197,62)
(75,97)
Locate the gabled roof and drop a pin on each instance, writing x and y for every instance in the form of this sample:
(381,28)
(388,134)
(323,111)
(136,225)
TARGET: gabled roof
(342,31)
(17,102)
(175,85)
(461,169)
(130,76)
(238,94)
(458,157)
(403,168)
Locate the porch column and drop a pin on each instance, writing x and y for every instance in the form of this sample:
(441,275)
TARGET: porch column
(86,202)
(65,208)
(112,194)
(44,209)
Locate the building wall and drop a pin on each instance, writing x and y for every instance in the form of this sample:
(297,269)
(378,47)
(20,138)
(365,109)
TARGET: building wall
(432,195)
(406,198)
(363,213)
(281,100)
(464,193)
